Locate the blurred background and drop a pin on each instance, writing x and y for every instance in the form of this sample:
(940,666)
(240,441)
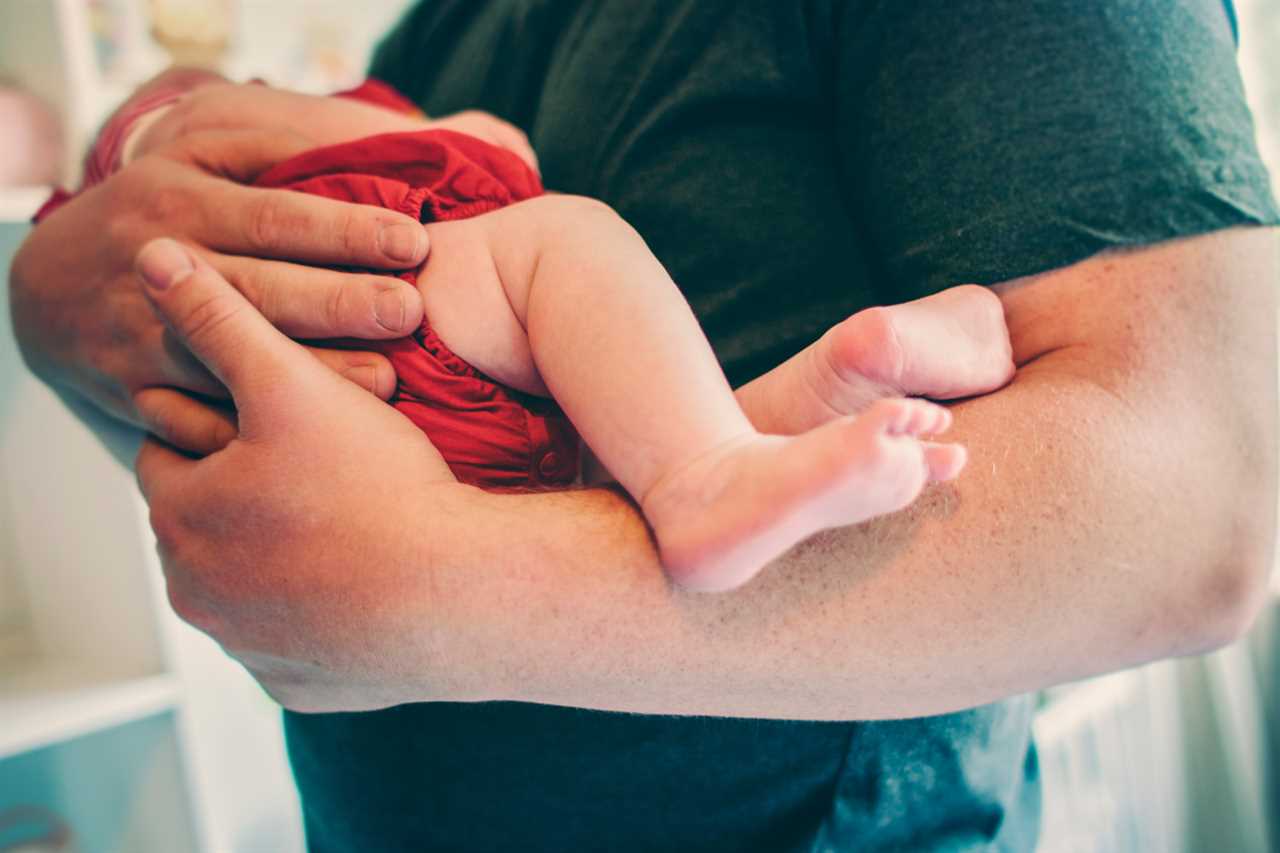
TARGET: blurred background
(122,729)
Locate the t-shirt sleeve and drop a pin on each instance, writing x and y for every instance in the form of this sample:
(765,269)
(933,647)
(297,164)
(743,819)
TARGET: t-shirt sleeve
(981,140)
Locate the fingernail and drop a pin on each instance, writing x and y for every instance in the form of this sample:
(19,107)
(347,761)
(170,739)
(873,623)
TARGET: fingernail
(402,242)
(164,263)
(388,309)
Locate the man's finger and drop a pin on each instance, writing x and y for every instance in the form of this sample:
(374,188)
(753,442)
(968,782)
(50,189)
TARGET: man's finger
(158,467)
(184,422)
(240,155)
(369,370)
(288,225)
(310,302)
(218,325)
(181,369)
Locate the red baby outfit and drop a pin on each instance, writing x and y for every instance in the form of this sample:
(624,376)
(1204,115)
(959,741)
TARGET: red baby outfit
(489,434)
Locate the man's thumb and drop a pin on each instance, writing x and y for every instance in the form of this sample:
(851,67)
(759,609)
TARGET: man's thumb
(215,322)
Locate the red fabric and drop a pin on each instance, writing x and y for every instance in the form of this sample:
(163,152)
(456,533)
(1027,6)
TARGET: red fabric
(373,91)
(491,435)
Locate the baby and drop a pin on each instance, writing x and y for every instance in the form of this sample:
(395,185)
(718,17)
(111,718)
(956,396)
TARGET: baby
(531,296)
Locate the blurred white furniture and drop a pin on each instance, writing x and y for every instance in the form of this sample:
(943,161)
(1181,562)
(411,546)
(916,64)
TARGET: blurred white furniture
(1170,757)
(133,727)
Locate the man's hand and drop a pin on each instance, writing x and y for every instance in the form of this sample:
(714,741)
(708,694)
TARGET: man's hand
(81,319)
(82,323)
(316,634)
(224,106)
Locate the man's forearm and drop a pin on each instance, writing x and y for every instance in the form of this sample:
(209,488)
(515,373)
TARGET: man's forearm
(1103,522)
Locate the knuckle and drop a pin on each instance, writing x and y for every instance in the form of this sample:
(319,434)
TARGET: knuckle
(159,419)
(356,234)
(204,320)
(263,223)
(129,219)
(254,281)
(166,527)
(337,306)
(182,603)
(133,179)
(218,434)
(190,607)
(269,222)
(166,203)
(122,232)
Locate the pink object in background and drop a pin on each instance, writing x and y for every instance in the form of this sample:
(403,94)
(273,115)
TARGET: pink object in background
(30,140)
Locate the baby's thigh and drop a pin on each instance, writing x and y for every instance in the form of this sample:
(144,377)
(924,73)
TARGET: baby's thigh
(467,304)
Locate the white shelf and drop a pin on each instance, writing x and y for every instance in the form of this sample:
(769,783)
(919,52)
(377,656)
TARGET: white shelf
(47,702)
(19,204)
(1072,707)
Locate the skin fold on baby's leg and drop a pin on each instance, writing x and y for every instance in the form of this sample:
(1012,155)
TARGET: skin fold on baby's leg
(609,335)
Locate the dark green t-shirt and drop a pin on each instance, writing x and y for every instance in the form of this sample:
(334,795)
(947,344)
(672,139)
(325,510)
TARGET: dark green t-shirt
(791,163)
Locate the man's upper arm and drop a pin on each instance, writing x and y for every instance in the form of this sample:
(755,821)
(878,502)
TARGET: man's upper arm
(1205,303)
(983,141)
(1077,153)
(1182,335)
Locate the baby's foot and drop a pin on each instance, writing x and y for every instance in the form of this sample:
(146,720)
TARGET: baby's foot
(945,346)
(720,519)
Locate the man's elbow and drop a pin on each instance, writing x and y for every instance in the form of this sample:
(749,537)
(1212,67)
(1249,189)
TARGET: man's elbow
(1234,589)
(1236,594)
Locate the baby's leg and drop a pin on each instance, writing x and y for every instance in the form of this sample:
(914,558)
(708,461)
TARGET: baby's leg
(618,347)
(948,345)
(721,518)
